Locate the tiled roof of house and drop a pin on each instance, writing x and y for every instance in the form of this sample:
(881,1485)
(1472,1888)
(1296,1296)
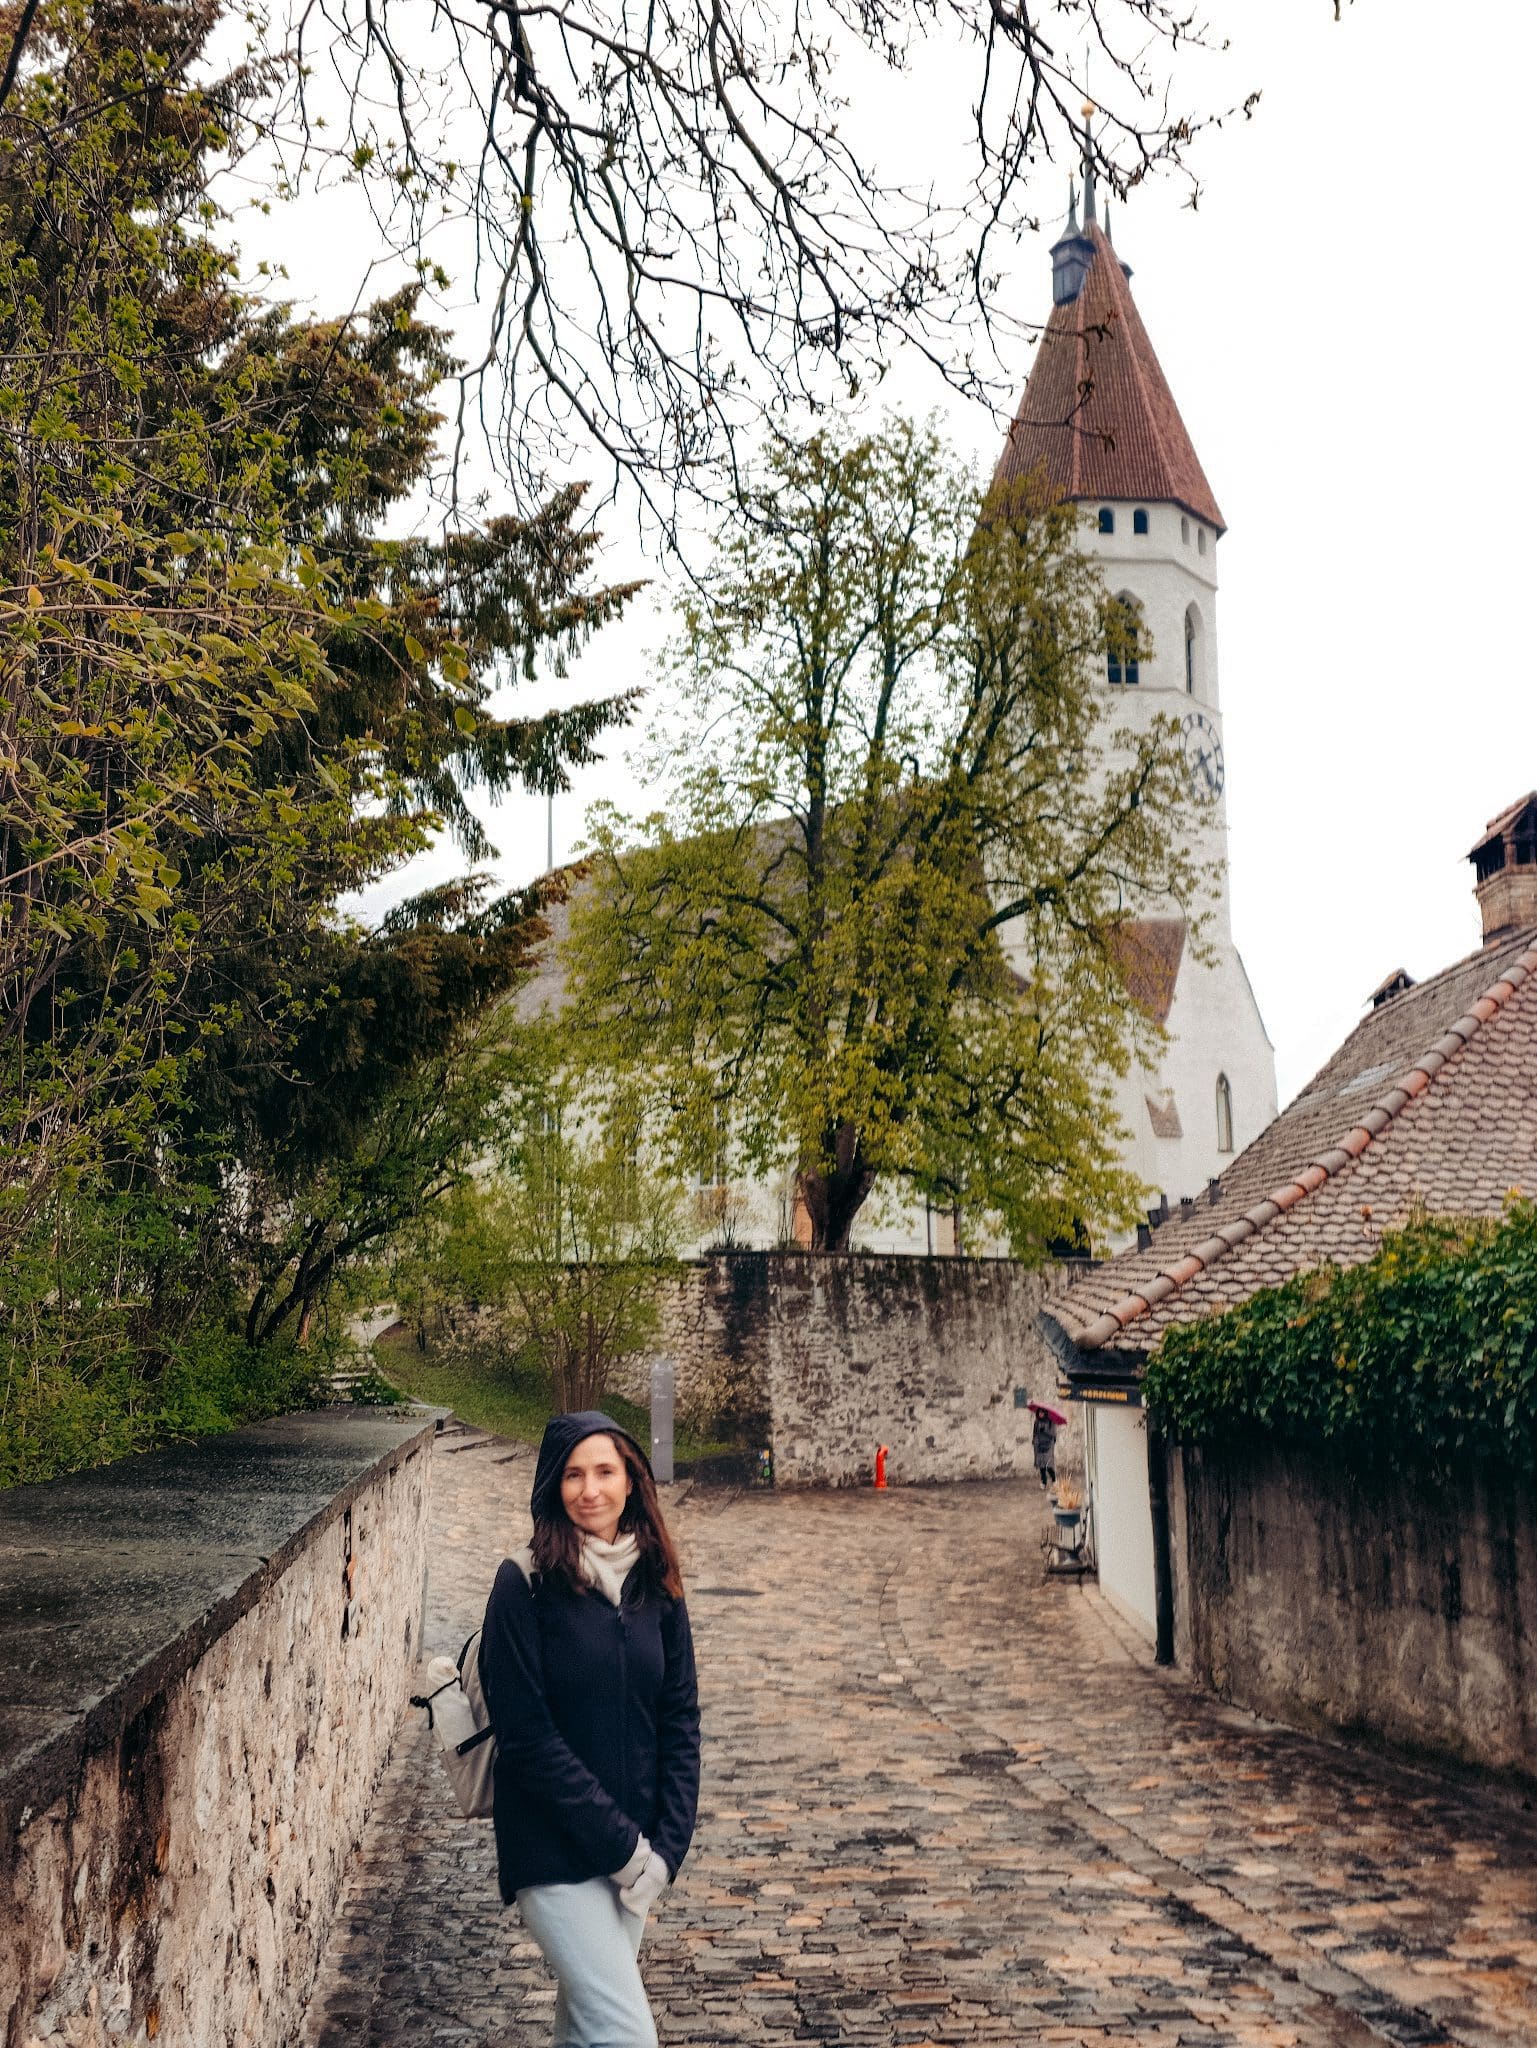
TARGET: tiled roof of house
(1148,951)
(1098,414)
(1431,1103)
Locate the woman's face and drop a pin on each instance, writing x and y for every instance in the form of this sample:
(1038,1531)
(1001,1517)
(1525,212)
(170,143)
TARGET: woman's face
(595,1486)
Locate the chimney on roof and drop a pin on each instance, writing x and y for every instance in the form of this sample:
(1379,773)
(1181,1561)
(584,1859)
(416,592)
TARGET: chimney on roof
(1395,984)
(1505,864)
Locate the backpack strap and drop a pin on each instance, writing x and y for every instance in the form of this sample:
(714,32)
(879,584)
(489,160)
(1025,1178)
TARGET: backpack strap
(425,1699)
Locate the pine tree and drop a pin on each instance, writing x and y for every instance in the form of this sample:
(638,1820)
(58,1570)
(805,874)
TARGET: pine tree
(226,698)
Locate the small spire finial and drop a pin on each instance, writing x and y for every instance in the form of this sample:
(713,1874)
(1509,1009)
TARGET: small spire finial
(1072,208)
(1089,111)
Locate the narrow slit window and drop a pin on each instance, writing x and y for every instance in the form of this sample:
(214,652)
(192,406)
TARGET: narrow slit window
(1224,1114)
(1139,520)
(1106,519)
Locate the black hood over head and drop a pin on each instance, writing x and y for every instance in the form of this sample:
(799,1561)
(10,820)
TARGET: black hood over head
(562,1434)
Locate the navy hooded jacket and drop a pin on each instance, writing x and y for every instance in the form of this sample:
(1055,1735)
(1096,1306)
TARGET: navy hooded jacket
(595,1708)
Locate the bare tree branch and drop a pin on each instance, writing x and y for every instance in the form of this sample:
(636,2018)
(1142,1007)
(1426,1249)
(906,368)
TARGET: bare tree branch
(19,36)
(681,218)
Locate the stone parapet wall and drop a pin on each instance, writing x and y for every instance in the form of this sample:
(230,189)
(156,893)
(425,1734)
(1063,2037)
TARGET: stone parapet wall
(823,1356)
(204,1656)
(1404,1610)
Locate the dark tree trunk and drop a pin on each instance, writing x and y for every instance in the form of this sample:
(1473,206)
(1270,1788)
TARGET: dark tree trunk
(833,1199)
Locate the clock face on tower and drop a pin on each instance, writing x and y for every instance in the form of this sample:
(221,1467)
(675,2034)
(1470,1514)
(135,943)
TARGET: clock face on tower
(1203,757)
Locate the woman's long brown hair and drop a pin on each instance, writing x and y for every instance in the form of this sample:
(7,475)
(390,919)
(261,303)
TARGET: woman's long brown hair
(557,1544)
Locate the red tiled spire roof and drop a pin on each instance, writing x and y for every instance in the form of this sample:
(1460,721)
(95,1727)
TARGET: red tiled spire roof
(1098,413)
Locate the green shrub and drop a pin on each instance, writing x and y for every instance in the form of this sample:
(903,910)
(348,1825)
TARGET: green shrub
(116,1334)
(63,1414)
(1426,1354)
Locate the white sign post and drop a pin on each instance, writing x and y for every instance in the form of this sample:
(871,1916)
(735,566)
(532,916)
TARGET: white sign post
(662,1384)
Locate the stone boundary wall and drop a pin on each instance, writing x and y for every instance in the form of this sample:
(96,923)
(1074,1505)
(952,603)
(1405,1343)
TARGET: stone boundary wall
(204,1657)
(822,1356)
(1394,1609)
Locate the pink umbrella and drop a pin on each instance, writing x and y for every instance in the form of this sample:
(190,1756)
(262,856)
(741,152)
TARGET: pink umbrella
(1053,1414)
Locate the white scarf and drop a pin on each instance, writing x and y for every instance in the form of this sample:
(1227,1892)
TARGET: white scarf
(608,1565)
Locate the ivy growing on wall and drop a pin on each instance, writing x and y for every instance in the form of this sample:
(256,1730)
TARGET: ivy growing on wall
(1425,1355)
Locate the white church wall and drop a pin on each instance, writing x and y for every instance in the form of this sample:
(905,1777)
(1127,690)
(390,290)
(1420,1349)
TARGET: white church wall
(1166,575)
(1215,1031)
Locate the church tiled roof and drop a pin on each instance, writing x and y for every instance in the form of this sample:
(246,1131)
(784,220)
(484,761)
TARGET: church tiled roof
(1430,1104)
(1098,413)
(1148,951)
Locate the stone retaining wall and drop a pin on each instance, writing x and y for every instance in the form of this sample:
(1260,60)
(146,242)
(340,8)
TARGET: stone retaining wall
(823,1356)
(204,1656)
(1401,1610)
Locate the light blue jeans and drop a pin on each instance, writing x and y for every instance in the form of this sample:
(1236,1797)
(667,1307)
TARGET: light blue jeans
(591,1944)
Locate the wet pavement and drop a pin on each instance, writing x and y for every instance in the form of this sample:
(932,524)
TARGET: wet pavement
(947,1800)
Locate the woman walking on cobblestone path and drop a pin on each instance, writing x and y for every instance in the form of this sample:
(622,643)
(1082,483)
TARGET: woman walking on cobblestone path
(587,1664)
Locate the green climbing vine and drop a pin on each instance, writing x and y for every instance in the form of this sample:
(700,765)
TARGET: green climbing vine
(1424,1355)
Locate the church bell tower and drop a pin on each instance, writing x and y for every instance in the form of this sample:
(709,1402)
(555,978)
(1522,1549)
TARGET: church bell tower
(1099,421)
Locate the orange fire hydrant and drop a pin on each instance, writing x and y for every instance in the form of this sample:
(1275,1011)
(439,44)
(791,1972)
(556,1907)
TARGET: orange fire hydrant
(880,1467)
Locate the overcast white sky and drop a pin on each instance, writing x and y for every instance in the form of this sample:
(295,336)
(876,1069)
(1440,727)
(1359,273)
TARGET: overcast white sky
(1344,323)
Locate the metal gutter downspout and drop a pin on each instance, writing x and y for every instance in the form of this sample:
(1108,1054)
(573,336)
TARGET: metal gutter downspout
(1163,1556)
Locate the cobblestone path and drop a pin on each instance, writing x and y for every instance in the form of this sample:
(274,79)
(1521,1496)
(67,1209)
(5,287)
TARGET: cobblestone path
(948,1802)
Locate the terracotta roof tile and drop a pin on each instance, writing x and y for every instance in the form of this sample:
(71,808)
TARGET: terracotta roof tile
(1430,1103)
(1098,415)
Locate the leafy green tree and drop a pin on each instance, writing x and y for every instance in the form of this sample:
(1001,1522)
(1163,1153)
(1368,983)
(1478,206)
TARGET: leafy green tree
(875,930)
(567,1243)
(416,1065)
(597,1237)
(227,700)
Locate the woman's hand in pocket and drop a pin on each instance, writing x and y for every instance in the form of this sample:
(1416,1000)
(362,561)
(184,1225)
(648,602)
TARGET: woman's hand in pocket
(638,1898)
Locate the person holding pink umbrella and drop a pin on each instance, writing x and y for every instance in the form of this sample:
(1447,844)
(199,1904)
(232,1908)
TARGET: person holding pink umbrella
(1043,1440)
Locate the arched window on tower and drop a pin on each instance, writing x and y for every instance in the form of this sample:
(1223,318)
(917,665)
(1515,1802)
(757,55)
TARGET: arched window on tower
(1139,520)
(1106,519)
(1123,638)
(1184,529)
(1193,676)
(1224,1114)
